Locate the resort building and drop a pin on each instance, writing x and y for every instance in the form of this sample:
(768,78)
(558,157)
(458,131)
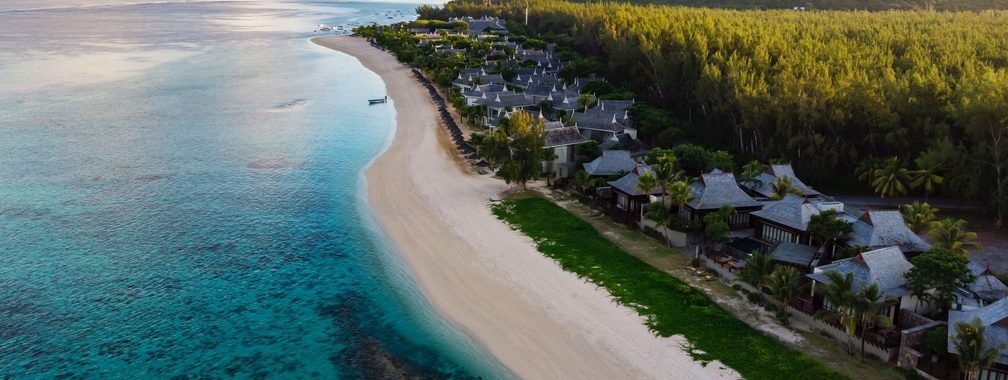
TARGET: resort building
(762,185)
(611,162)
(609,118)
(627,200)
(884,267)
(715,190)
(799,256)
(985,289)
(480,26)
(564,141)
(787,220)
(994,319)
(877,229)
(500,104)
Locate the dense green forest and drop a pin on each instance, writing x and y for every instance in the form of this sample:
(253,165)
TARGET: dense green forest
(834,92)
(873,5)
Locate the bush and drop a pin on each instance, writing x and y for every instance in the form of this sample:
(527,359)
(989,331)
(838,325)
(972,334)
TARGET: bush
(770,307)
(753,297)
(737,287)
(935,341)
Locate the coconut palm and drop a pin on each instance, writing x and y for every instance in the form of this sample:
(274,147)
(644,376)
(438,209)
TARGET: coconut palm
(680,193)
(870,306)
(891,178)
(926,177)
(951,234)
(918,216)
(865,171)
(975,353)
(783,285)
(839,294)
(781,187)
(750,171)
(646,183)
(757,271)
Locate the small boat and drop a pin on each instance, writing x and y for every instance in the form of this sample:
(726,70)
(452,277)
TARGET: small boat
(377,101)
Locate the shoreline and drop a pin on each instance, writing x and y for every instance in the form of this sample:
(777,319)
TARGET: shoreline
(487,280)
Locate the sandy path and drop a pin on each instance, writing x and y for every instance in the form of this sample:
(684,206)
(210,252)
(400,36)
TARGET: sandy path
(486,279)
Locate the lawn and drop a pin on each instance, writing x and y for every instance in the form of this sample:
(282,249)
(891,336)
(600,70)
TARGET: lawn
(670,306)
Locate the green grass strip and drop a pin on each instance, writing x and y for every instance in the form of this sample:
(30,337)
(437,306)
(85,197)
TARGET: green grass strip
(670,306)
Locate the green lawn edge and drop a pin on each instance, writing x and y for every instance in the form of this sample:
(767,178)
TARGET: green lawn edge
(669,305)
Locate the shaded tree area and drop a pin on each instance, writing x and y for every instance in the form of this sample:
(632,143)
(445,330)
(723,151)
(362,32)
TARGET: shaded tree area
(824,90)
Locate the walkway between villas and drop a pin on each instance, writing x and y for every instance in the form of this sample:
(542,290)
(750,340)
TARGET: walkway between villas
(675,263)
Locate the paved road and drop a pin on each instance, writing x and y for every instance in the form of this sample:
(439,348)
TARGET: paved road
(947,204)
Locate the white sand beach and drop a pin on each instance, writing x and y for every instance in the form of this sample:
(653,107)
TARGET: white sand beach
(490,281)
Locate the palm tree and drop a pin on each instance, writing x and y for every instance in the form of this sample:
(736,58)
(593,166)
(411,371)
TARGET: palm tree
(865,171)
(951,235)
(750,171)
(586,101)
(646,183)
(839,294)
(757,271)
(870,305)
(975,354)
(665,171)
(680,193)
(891,178)
(926,177)
(783,284)
(918,216)
(781,187)
(662,216)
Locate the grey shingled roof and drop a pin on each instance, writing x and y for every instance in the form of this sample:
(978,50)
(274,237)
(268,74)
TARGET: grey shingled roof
(717,189)
(563,136)
(884,229)
(884,267)
(792,211)
(626,142)
(986,284)
(505,99)
(764,181)
(611,162)
(628,183)
(792,253)
(991,317)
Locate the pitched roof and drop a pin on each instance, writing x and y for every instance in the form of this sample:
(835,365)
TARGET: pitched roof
(886,228)
(884,267)
(986,285)
(798,254)
(628,183)
(717,189)
(764,180)
(792,211)
(626,142)
(993,317)
(564,136)
(611,162)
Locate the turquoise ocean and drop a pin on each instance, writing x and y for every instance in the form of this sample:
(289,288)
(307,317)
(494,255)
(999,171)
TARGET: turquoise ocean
(182,196)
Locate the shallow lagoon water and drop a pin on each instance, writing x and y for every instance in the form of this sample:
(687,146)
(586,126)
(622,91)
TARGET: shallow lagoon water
(181,195)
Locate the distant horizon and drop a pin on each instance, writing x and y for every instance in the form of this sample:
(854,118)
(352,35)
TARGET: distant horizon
(29,5)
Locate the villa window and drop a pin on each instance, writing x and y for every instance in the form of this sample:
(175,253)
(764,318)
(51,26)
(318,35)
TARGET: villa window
(622,202)
(992,374)
(771,233)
